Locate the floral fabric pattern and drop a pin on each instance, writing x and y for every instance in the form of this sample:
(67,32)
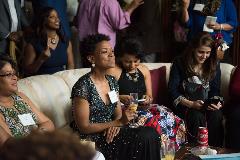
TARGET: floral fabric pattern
(11,117)
(167,124)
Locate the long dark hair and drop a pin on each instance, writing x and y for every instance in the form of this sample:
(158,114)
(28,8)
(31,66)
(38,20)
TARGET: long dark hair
(41,33)
(189,60)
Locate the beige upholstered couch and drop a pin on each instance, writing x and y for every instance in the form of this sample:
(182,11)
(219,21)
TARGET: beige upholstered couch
(51,93)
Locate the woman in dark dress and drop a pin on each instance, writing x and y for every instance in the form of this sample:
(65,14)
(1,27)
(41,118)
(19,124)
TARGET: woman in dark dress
(97,112)
(49,51)
(134,77)
(194,86)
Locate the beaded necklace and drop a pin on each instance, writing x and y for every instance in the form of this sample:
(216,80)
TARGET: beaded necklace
(133,76)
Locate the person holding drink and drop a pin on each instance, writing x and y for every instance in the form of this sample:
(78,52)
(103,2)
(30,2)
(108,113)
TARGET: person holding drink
(134,77)
(97,112)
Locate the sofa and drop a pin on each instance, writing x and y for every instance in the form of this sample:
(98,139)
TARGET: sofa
(51,93)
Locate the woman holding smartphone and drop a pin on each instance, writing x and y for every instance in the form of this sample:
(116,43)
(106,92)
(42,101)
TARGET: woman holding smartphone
(194,86)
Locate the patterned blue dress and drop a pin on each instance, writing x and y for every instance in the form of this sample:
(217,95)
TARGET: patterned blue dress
(131,143)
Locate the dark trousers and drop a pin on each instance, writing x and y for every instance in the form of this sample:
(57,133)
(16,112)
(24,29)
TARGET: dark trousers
(205,118)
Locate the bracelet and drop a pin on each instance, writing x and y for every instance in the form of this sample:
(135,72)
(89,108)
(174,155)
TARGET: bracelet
(221,27)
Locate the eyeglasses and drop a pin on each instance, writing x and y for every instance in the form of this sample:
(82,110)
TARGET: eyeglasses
(8,75)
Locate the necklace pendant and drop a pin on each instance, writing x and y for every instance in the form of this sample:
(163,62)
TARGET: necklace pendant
(53,41)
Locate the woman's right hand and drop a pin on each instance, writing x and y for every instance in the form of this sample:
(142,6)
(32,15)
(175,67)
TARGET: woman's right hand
(185,4)
(127,115)
(46,53)
(198,104)
(125,99)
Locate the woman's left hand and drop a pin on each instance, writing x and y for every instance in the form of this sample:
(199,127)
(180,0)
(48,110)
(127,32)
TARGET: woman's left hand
(110,133)
(214,26)
(148,100)
(214,107)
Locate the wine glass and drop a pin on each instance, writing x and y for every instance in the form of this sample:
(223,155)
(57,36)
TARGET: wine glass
(133,106)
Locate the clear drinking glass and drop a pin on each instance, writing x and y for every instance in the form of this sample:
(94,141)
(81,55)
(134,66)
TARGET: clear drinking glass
(133,107)
(169,150)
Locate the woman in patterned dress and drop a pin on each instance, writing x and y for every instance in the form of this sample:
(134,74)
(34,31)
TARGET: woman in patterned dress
(97,112)
(18,115)
(134,77)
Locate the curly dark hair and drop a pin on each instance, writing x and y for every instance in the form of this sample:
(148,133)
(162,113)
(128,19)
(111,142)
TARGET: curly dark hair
(57,145)
(130,46)
(88,45)
(4,59)
(188,59)
(40,31)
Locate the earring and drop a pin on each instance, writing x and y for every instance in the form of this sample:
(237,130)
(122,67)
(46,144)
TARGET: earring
(93,64)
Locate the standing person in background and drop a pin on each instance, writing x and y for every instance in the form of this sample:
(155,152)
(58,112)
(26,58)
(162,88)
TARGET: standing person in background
(60,6)
(12,21)
(194,86)
(103,16)
(147,26)
(194,14)
(49,51)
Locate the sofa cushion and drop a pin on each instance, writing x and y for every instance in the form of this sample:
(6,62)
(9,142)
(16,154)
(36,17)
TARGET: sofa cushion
(234,86)
(159,85)
(51,95)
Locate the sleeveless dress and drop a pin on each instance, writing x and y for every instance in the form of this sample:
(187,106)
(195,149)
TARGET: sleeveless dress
(127,86)
(168,125)
(11,117)
(141,143)
(58,59)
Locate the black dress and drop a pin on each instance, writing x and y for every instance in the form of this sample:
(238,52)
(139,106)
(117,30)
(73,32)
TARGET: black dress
(131,143)
(132,83)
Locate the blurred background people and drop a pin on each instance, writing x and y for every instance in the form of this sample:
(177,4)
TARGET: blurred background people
(60,6)
(57,145)
(225,12)
(103,16)
(18,115)
(49,51)
(97,112)
(195,78)
(12,23)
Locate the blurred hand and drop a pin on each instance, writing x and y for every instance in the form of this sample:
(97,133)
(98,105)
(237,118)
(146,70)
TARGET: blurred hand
(185,4)
(110,133)
(214,26)
(198,104)
(147,101)
(136,3)
(46,53)
(214,107)
(15,36)
(127,115)
(126,99)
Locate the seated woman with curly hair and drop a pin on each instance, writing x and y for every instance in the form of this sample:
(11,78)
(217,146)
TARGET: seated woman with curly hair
(97,112)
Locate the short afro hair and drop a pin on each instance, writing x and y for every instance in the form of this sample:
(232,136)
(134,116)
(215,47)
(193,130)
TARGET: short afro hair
(89,43)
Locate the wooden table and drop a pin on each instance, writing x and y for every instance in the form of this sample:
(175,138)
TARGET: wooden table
(179,155)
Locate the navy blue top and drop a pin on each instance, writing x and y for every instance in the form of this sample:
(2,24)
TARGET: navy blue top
(56,62)
(178,76)
(61,7)
(225,14)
